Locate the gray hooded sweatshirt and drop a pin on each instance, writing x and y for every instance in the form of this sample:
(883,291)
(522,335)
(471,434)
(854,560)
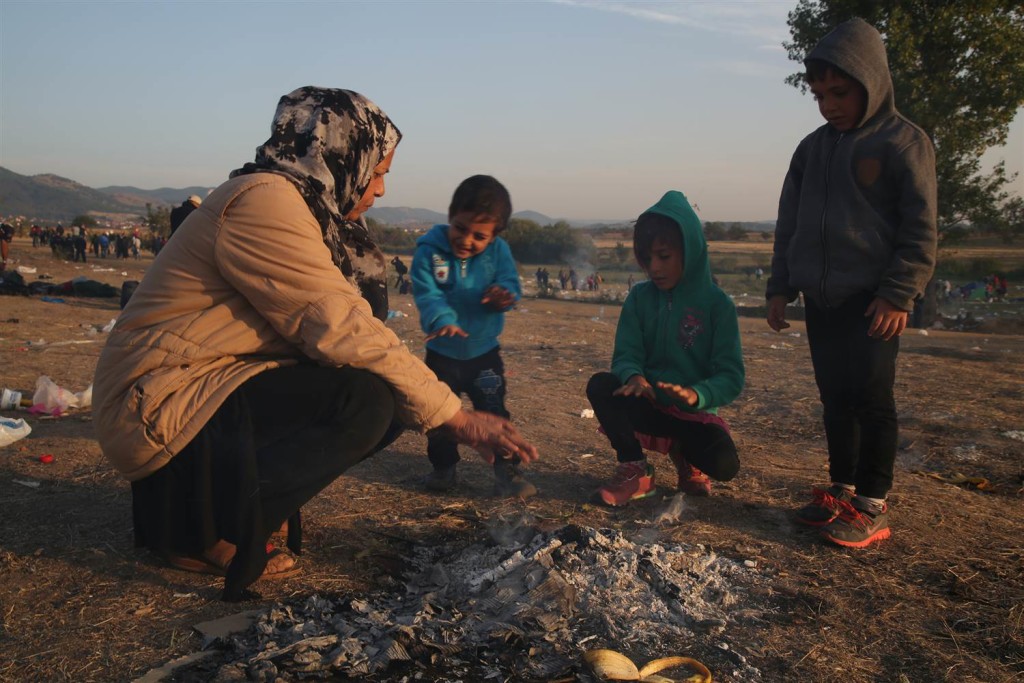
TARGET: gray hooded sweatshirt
(858,212)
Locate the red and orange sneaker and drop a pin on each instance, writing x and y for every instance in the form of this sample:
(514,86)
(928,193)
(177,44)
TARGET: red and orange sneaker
(856,528)
(824,506)
(692,481)
(632,480)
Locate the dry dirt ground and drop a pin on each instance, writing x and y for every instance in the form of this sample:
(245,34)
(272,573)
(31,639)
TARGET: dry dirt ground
(943,600)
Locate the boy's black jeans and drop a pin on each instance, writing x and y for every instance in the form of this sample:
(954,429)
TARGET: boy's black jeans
(482,379)
(855,375)
(707,447)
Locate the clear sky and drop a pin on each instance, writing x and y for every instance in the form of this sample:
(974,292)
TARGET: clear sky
(585,110)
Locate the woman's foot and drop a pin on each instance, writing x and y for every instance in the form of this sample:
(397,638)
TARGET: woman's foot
(218,557)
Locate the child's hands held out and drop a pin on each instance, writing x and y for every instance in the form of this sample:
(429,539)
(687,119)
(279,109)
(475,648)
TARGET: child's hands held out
(684,394)
(637,385)
(447,331)
(498,298)
(888,322)
(777,312)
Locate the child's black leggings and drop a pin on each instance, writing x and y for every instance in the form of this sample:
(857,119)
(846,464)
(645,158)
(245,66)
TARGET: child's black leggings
(855,375)
(707,447)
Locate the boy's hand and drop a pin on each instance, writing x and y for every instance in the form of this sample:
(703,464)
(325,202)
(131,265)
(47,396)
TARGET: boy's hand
(684,394)
(491,436)
(889,321)
(498,298)
(777,312)
(637,385)
(447,331)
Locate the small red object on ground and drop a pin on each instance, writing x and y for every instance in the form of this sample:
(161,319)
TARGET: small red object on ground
(46,459)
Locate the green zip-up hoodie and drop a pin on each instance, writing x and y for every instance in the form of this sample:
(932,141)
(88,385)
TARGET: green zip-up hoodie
(687,336)
(858,211)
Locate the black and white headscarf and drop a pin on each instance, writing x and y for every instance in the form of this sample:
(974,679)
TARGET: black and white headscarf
(328,142)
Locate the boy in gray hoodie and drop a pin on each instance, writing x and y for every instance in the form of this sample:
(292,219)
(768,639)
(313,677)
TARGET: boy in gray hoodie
(856,235)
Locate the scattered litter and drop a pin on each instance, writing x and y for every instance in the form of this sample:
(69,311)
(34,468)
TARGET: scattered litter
(46,458)
(923,332)
(781,347)
(51,399)
(794,334)
(11,430)
(587,413)
(31,483)
(1015,434)
(587,455)
(395,314)
(10,399)
(52,300)
(25,270)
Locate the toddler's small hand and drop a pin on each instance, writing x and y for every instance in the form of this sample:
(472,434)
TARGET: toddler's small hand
(498,298)
(447,331)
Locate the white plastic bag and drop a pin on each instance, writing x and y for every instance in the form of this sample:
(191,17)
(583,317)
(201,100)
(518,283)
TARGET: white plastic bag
(53,399)
(11,430)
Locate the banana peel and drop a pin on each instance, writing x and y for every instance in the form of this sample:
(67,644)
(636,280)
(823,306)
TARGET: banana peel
(958,479)
(609,665)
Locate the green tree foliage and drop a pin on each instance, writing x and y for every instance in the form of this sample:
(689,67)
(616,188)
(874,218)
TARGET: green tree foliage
(558,243)
(158,220)
(392,239)
(84,221)
(736,232)
(714,231)
(958,71)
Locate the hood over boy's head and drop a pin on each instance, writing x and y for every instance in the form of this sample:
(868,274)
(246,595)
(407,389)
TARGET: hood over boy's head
(854,50)
(673,211)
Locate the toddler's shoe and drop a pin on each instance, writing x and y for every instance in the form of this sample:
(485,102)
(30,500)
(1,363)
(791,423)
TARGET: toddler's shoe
(441,480)
(509,481)
(824,506)
(632,480)
(858,528)
(692,481)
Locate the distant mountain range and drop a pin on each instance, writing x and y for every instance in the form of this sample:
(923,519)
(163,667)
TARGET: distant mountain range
(51,198)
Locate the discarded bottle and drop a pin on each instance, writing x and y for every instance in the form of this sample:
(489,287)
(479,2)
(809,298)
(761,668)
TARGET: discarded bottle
(12,400)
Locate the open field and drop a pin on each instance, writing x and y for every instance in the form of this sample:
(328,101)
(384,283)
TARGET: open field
(943,600)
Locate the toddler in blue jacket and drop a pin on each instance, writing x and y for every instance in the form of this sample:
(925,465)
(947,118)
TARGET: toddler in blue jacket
(464,279)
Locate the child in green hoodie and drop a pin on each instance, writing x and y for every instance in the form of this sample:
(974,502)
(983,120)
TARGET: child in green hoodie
(856,234)
(677,359)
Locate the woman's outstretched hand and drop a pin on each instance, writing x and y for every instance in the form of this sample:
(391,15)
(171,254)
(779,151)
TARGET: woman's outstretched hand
(491,436)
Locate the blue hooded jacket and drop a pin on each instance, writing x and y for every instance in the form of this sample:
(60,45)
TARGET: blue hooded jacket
(688,335)
(447,291)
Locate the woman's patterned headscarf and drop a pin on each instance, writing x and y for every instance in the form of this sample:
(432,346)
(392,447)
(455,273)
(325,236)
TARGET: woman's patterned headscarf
(328,142)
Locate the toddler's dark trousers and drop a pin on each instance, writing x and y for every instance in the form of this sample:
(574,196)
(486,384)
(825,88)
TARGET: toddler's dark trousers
(707,447)
(482,379)
(855,375)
